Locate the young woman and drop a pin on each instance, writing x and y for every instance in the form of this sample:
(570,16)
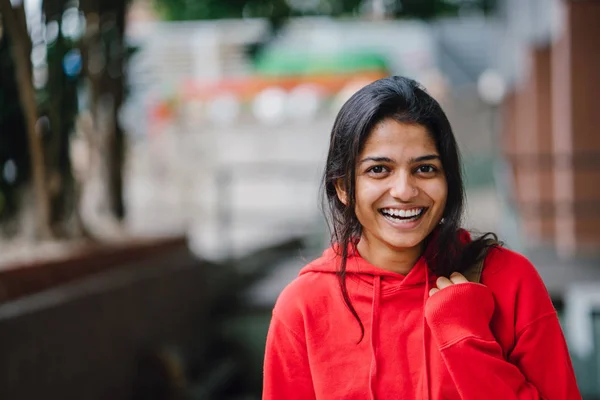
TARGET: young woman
(385,313)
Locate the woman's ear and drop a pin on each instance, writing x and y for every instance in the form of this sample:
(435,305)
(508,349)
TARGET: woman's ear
(340,190)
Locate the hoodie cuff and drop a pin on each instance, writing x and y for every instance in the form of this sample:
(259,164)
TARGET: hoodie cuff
(460,311)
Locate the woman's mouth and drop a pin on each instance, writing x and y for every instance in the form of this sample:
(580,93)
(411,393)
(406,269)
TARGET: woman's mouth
(403,215)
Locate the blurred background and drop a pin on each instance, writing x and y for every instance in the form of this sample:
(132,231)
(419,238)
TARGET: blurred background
(160,164)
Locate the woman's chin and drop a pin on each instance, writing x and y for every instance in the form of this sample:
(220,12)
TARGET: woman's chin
(406,241)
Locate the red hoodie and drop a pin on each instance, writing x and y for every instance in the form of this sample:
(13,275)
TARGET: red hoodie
(499,340)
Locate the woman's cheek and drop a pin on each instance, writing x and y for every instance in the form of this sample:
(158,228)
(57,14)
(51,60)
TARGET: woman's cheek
(437,190)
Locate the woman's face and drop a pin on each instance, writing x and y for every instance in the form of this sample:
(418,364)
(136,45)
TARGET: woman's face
(401,188)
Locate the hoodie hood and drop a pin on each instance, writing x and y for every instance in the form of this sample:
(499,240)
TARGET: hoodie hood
(329,262)
(357,268)
(374,284)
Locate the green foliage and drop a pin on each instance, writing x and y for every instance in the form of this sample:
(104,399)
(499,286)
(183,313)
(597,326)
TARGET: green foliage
(429,9)
(184,10)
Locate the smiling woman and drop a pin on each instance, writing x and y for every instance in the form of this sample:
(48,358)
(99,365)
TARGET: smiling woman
(401,193)
(385,312)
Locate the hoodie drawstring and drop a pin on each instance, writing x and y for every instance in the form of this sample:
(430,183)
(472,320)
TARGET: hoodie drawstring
(426,340)
(374,333)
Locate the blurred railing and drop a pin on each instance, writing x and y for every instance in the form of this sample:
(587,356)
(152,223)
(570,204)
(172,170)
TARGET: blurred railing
(28,278)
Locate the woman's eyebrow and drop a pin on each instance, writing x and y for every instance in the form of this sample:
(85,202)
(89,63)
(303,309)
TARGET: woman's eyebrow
(428,157)
(376,159)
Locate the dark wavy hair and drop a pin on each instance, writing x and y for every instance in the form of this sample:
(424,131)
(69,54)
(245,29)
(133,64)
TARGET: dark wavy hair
(405,101)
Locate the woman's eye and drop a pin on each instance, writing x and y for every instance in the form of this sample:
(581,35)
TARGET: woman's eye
(426,169)
(377,169)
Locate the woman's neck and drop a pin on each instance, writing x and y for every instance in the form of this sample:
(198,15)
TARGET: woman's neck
(390,259)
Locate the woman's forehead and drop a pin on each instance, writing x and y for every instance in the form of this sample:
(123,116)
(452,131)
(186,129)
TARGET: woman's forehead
(390,136)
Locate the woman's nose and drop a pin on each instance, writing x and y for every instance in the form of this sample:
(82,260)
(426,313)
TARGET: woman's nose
(404,188)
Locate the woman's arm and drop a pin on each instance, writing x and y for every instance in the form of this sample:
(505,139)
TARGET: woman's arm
(539,366)
(286,368)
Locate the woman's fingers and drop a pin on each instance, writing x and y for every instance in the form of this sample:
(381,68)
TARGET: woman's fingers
(457,277)
(443,282)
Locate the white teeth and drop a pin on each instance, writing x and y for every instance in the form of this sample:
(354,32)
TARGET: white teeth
(403,213)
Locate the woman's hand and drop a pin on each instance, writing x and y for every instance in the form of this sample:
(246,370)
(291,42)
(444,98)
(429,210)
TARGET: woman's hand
(442,282)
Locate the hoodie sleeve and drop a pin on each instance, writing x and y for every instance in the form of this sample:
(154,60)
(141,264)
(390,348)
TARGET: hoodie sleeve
(538,367)
(286,369)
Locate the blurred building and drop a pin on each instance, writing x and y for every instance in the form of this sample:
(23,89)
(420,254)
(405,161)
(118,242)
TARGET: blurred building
(550,121)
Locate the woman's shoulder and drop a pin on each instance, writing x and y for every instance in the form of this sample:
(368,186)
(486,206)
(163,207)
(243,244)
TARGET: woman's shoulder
(513,276)
(502,261)
(303,295)
(298,292)
(516,283)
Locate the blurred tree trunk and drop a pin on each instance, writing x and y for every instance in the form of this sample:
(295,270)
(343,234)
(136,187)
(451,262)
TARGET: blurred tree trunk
(61,106)
(115,71)
(16,26)
(104,53)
